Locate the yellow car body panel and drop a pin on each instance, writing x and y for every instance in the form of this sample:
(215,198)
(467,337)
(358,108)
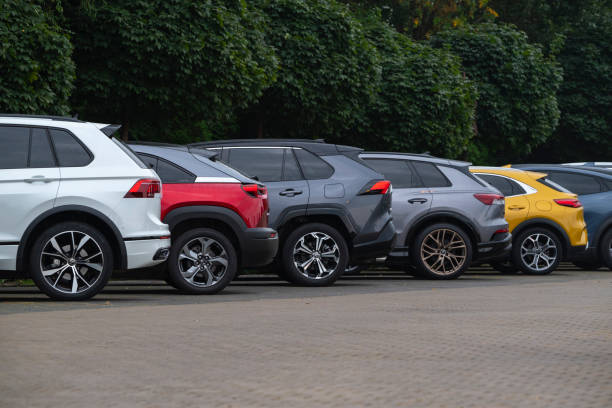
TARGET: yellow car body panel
(539,203)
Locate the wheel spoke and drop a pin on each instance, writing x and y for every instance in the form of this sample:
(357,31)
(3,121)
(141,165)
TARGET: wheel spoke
(321,268)
(50,272)
(75,283)
(81,244)
(219,260)
(56,246)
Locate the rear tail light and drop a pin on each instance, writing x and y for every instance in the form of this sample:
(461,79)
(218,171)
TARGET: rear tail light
(490,199)
(255,190)
(145,188)
(376,187)
(502,231)
(569,202)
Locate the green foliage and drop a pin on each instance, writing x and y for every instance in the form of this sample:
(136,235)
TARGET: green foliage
(36,69)
(517,107)
(328,71)
(166,69)
(424,102)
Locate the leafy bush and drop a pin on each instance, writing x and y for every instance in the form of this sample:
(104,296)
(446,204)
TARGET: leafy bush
(517,106)
(36,69)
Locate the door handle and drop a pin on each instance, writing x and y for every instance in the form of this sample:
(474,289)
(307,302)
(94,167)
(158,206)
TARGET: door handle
(516,207)
(290,192)
(35,179)
(417,200)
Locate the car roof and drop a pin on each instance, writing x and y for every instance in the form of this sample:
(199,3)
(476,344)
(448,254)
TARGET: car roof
(509,172)
(591,171)
(416,156)
(317,146)
(48,117)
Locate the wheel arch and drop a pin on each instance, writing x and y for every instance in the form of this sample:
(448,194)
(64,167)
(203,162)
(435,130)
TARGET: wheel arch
(546,224)
(443,216)
(73,213)
(331,219)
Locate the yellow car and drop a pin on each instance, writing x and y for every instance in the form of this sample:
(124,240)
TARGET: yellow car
(546,220)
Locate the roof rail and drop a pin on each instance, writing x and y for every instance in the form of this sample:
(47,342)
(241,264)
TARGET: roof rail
(51,117)
(258,140)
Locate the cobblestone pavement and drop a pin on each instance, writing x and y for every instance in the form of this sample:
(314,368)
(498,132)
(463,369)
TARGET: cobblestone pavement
(379,340)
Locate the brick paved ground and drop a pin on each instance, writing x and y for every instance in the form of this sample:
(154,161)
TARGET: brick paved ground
(485,340)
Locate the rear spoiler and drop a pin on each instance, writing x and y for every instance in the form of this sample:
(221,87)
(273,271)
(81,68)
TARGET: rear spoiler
(108,130)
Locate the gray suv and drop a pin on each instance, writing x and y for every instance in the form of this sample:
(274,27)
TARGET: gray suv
(445,216)
(327,205)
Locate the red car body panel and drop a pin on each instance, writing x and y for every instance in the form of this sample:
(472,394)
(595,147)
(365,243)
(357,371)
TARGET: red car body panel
(253,210)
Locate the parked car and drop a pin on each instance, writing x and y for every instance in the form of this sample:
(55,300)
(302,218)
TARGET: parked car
(594,189)
(599,165)
(445,217)
(76,204)
(218,217)
(328,207)
(546,221)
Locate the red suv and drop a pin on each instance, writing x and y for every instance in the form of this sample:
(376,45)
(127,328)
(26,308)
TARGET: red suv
(217,216)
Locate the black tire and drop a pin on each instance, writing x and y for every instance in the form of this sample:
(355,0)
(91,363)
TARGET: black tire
(605,248)
(450,237)
(506,266)
(79,274)
(354,270)
(208,277)
(538,266)
(334,242)
(588,265)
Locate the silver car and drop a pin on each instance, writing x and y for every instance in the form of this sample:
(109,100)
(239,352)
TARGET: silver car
(445,217)
(75,204)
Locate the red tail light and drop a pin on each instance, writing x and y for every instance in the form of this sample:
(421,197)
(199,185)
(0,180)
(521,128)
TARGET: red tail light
(569,202)
(490,199)
(145,188)
(377,187)
(255,190)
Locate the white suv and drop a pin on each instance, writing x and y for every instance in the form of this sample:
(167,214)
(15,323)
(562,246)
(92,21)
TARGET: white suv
(74,205)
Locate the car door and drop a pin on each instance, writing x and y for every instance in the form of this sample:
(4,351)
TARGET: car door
(410,199)
(517,205)
(29,179)
(288,192)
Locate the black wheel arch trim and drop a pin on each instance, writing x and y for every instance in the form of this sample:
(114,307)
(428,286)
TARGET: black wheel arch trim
(71,208)
(565,241)
(336,210)
(603,227)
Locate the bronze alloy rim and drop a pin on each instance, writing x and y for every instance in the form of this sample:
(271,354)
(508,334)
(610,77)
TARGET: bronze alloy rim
(71,262)
(443,251)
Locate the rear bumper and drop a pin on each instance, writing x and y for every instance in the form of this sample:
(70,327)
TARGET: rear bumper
(579,251)
(377,248)
(259,246)
(498,249)
(141,253)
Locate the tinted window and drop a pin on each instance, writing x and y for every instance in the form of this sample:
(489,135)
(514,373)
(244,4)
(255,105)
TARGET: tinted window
(516,188)
(500,183)
(399,172)
(313,167)
(70,153)
(576,183)
(607,183)
(41,155)
(14,144)
(149,161)
(265,164)
(430,175)
(169,173)
(553,185)
(291,171)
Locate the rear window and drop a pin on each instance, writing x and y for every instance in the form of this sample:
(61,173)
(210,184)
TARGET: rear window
(430,174)
(576,183)
(553,185)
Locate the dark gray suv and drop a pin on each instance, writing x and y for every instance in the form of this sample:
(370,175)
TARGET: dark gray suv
(328,207)
(445,217)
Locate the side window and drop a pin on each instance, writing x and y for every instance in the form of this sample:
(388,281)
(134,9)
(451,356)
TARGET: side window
(313,167)
(149,161)
(607,183)
(576,183)
(430,175)
(14,145)
(41,155)
(171,174)
(265,164)
(500,183)
(516,188)
(291,171)
(399,172)
(70,153)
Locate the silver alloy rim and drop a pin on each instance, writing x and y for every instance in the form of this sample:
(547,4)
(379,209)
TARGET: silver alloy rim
(203,262)
(538,252)
(71,262)
(316,255)
(443,251)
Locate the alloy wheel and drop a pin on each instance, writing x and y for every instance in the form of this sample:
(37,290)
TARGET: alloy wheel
(203,261)
(316,255)
(538,252)
(443,251)
(71,262)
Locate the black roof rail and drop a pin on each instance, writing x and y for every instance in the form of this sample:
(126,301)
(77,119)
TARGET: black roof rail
(261,140)
(62,118)
(159,144)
